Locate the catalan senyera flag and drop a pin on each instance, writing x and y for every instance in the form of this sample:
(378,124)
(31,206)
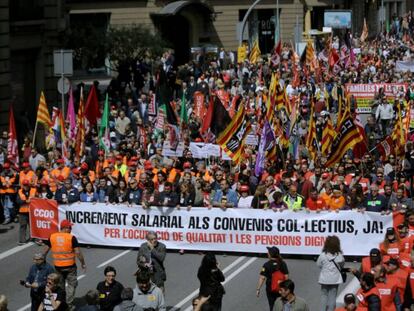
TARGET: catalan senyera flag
(328,135)
(311,139)
(43,115)
(80,134)
(255,52)
(347,137)
(310,54)
(233,137)
(397,134)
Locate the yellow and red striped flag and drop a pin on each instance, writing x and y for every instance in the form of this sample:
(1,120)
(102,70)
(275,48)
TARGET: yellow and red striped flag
(255,52)
(328,135)
(42,112)
(80,122)
(311,139)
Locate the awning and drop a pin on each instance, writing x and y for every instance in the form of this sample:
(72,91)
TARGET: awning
(174,8)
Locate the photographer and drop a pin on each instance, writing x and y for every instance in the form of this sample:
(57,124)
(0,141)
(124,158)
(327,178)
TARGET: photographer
(36,279)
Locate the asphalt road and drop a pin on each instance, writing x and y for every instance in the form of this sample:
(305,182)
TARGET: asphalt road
(182,285)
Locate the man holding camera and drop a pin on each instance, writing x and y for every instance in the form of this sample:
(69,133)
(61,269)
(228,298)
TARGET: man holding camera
(36,279)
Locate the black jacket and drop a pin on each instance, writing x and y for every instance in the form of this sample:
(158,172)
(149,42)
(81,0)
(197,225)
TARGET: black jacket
(109,296)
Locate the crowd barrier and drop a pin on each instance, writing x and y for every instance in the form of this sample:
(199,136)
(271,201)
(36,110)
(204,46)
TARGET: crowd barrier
(232,230)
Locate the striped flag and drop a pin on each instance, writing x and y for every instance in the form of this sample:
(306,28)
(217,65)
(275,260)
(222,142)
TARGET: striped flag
(80,135)
(233,137)
(311,143)
(347,137)
(255,52)
(397,134)
(310,53)
(328,135)
(386,147)
(42,112)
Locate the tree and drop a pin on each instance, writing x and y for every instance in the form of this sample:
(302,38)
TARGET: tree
(125,45)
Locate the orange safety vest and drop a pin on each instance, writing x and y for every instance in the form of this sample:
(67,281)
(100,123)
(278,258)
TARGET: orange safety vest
(411,278)
(54,174)
(24,208)
(7,183)
(394,249)
(63,253)
(362,298)
(387,292)
(366,265)
(400,277)
(30,176)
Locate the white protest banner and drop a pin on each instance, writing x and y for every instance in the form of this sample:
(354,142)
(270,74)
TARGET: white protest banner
(168,152)
(240,230)
(404,66)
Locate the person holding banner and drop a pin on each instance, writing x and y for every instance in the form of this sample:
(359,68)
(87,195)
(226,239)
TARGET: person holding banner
(23,200)
(65,248)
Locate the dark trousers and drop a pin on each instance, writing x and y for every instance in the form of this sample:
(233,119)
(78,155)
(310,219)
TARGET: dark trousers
(271,298)
(36,300)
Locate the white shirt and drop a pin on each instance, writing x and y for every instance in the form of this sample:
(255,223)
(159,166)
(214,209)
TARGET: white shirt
(245,202)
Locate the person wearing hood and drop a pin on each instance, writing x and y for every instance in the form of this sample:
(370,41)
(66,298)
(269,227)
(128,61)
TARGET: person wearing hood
(330,261)
(147,294)
(127,304)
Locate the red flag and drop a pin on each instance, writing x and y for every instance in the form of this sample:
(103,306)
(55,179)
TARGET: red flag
(278,48)
(333,57)
(208,117)
(92,106)
(12,148)
(386,147)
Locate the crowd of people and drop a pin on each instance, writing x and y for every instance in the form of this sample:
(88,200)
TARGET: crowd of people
(135,171)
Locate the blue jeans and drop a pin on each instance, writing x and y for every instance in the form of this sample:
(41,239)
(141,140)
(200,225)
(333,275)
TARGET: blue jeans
(8,206)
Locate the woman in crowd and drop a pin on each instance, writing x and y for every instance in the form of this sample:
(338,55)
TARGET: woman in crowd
(109,290)
(330,262)
(211,277)
(89,194)
(121,192)
(391,246)
(54,297)
(187,195)
(260,199)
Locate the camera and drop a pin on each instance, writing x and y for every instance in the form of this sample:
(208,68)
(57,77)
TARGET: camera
(22,283)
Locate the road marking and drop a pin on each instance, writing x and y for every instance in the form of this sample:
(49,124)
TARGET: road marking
(15,250)
(27,307)
(237,271)
(113,258)
(194,293)
(351,287)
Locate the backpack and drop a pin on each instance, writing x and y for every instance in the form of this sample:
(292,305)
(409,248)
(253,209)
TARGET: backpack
(277,277)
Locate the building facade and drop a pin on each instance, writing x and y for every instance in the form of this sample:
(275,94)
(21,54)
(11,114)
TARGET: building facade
(29,32)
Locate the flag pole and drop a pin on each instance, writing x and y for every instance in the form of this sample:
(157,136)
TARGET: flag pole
(34,134)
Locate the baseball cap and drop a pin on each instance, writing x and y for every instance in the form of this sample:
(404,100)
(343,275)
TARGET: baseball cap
(84,166)
(60,161)
(244,188)
(187,165)
(25,182)
(25,164)
(148,165)
(6,165)
(65,224)
(273,251)
(390,231)
(375,252)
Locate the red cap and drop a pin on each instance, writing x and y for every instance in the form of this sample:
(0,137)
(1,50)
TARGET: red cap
(187,165)
(244,188)
(134,159)
(6,165)
(25,182)
(65,224)
(60,178)
(132,163)
(110,160)
(325,175)
(25,164)
(60,161)
(148,165)
(84,166)
(76,171)
(198,140)
(100,152)
(119,157)
(44,182)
